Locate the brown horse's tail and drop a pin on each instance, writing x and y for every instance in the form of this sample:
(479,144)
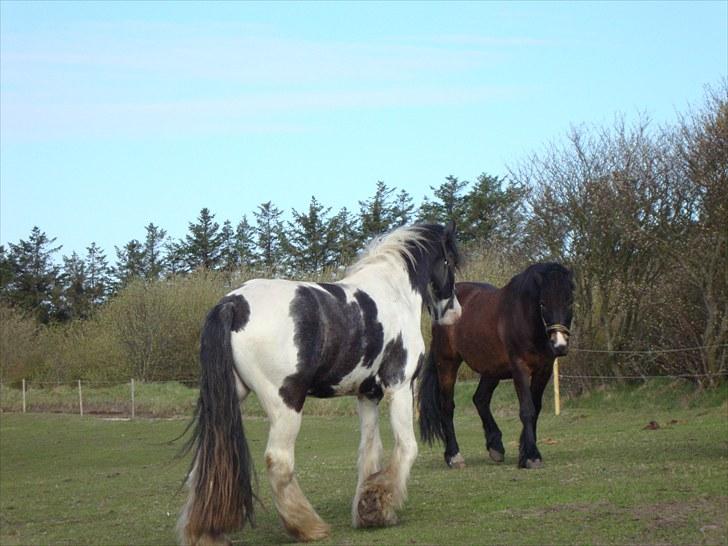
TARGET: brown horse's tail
(220,492)
(431,418)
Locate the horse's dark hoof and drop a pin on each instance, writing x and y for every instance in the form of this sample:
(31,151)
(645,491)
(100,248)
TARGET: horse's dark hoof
(496,455)
(456,461)
(534,463)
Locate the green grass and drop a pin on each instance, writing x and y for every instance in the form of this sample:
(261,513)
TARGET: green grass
(606,479)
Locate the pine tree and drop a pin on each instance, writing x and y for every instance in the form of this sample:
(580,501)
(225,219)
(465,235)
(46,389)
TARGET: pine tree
(202,246)
(6,271)
(376,215)
(402,209)
(245,243)
(312,238)
(348,238)
(75,297)
(270,237)
(35,275)
(229,258)
(153,246)
(494,212)
(98,275)
(129,262)
(450,204)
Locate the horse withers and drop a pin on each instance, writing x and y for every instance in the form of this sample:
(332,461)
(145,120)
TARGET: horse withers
(286,340)
(514,332)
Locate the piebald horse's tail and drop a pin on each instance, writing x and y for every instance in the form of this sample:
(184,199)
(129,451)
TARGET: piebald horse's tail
(219,480)
(431,418)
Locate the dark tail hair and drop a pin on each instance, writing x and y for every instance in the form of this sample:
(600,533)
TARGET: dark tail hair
(221,495)
(431,420)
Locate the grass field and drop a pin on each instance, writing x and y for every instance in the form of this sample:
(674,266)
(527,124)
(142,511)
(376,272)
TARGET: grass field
(606,479)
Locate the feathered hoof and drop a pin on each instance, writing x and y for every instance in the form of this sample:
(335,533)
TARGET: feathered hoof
(316,530)
(376,506)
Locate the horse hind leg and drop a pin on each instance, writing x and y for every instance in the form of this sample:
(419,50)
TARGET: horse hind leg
(386,490)
(493,436)
(296,513)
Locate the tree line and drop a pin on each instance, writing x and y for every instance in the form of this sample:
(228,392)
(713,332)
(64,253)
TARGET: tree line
(33,279)
(640,212)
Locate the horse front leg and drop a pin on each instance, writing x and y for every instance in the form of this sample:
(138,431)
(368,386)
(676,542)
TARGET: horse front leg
(447,376)
(385,491)
(528,454)
(538,385)
(493,436)
(370,452)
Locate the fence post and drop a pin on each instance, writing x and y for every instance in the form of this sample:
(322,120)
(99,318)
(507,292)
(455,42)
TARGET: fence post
(557,393)
(23,395)
(132,398)
(80,399)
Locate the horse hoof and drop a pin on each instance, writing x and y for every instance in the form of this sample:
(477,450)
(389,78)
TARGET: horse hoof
(496,455)
(457,461)
(376,507)
(534,463)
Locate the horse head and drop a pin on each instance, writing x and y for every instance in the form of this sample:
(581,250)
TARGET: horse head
(556,298)
(445,307)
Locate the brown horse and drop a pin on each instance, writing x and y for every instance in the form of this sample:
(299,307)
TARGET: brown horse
(510,333)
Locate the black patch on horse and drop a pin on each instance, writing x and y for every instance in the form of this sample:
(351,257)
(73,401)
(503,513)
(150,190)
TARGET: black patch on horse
(373,330)
(332,337)
(393,362)
(241,311)
(371,389)
(335,290)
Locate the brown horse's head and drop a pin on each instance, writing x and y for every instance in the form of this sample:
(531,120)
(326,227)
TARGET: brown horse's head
(556,298)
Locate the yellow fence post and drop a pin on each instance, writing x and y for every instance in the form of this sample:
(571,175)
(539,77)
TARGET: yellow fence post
(557,394)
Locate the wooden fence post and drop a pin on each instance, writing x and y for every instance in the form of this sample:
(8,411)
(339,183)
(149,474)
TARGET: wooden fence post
(132,398)
(80,399)
(557,393)
(23,395)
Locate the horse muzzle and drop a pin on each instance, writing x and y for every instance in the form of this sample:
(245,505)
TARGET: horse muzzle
(559,339)
(447,312)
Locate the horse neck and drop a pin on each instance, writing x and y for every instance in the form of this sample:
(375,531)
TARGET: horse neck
(387,285)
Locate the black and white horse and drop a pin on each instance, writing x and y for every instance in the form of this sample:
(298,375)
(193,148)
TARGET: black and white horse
(285,340)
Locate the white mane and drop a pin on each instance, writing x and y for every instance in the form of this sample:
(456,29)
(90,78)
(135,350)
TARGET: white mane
(391,248)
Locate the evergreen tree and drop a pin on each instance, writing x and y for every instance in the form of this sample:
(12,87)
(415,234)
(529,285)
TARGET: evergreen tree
(153,246)
(245,243)
(6,271)
(402,209)
(312,239)
(348,238)
(376,214)
(270,237)
(75,298)
(202,246)
(450,204)
(98,275)
(229,258)
(493,212)
(35,275)
(129,262)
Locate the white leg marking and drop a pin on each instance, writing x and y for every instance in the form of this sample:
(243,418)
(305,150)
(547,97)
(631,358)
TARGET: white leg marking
(370,449)
(298,516)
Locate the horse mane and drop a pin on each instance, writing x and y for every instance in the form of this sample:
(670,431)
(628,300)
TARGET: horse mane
(527,281)
(397,247)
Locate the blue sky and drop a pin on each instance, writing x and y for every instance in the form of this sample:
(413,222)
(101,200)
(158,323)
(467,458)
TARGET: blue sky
(114,115)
